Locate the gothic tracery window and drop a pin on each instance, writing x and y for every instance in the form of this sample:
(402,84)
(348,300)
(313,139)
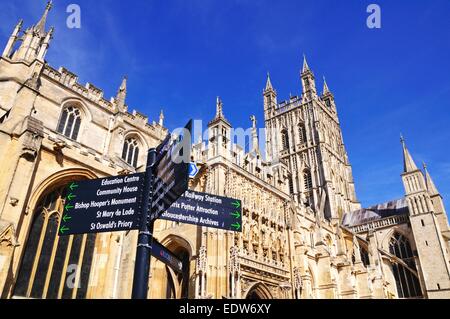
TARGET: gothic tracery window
(364,256)
(130,152)
(285,139)
(54,266)
(301,133)
(70,122)
(408,285)
(307,180)
(291,186)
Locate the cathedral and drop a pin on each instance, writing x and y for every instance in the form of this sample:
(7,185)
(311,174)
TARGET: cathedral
(304,233)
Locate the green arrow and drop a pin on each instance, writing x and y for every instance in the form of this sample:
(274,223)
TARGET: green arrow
(63,229)
(70,196)
(68,206)
(73,186)
(66,218)
(236,204)
(236,214)
(236,225)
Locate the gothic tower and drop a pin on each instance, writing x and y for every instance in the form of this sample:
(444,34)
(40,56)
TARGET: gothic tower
(33,44)
(219,131)
(304,133)
(423,216)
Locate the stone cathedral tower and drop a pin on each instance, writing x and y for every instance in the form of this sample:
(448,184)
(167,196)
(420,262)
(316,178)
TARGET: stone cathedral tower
(427,215)
(304,133)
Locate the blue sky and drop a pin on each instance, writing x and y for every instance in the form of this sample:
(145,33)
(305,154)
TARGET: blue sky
(180,54)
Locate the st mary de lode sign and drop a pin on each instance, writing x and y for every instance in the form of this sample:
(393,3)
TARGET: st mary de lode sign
(102,205)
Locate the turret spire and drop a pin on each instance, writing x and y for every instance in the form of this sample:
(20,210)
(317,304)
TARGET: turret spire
(308,82)
(40,26)
(268,83)
(408,162)
(219,113)
(255,142)
(161,118)
(432,190)
(45,44)
(305,65)
(12,39)
(219,107)
(325,87)
(121,95)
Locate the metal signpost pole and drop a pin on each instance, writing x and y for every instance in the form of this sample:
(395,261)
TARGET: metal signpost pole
(144,247)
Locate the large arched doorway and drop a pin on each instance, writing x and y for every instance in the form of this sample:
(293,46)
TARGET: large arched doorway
(53,266)
(258,291)
(167,282)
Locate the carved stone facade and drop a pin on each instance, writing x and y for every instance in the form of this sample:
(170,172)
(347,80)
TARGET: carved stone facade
(303,235)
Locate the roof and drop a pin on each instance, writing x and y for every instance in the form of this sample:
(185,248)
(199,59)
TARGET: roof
(365,215)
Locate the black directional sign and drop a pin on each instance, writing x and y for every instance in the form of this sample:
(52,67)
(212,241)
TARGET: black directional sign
(206,210)
(166,256)
(171,172)
(102,205)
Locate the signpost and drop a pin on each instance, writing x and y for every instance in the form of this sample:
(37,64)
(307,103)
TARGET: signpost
(171,173)
(166,178)
(102,205)
(206,210)
(135,201)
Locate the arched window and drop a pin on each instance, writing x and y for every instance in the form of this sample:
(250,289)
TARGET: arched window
(407,282)
(69,123)
(307,180)
(130,152)
(364,256)
(54,266)
(285,139)
(301,133)
(291,186)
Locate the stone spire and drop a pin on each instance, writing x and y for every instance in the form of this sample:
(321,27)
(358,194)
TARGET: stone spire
(308,82)
(255,142)
(45,44)
(268,83)
(219,107)
(326,90)
(432,190)
(121,95)
(39,28)
(161,118)
(219,113)
(35,41)
(305,65)
(12,39)
(408,162)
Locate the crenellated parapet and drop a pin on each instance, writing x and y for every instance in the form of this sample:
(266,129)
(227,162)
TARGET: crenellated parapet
(70,81)
(95,95)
